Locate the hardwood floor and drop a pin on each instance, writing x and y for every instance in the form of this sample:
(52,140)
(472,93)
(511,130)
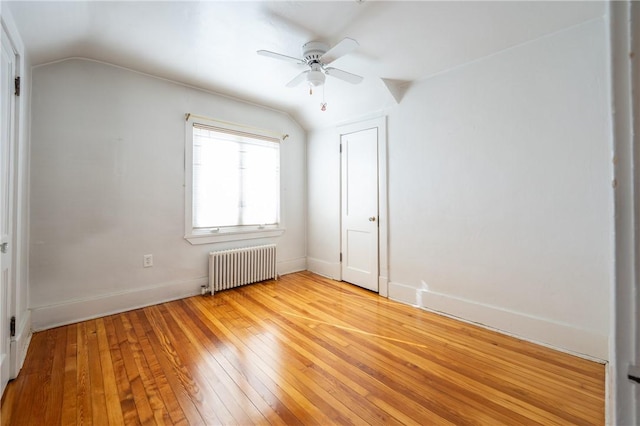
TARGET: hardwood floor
(300,350)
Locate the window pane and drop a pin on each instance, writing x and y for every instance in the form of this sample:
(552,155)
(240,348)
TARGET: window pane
(216,184)
(235,180)
(261,185)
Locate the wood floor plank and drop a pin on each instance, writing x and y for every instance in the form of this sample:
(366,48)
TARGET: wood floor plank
(170,409)
(112,400)
(227,393)
(173,371)
(197,389)
(297,374)
(53,407)
(96,375)
(128,347)
(390,358)
(34,392)
(322,351)
(216,396)
(545,380)
(38,399)
(125,395)
(84,414)
(435,409)
(233,360)
(300,350)
(566,411)
(70,391)
(268,374)
(20,410)
(239,389)
(156,404)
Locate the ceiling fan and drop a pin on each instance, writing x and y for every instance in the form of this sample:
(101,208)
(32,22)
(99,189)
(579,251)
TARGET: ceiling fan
(317,55)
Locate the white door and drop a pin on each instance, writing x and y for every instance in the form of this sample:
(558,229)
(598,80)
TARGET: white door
(360,208)
(7,111)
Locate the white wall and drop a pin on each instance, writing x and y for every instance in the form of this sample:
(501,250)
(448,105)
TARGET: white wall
(107,187)
(499,192)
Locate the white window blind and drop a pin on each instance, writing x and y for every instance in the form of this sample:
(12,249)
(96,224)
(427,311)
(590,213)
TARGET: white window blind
(236,178)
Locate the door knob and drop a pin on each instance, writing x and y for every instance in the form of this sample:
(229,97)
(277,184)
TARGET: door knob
(372,219)
(4,247)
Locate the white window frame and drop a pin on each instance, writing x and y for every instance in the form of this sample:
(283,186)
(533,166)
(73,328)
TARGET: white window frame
(207,236)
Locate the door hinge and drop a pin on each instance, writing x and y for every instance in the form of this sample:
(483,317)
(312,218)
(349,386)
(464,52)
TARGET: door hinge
(17,86)
(340,257)
(340,148)
(12,327)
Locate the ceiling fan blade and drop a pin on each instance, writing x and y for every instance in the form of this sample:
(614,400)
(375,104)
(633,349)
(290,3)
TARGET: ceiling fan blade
(280,56)
(298,79)
(343,75)
(347,45)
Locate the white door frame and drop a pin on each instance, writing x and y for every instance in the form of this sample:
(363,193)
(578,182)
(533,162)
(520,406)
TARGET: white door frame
(10,302)
(383,216)
(623,396)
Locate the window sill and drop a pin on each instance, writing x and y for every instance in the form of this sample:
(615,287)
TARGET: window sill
(218,237)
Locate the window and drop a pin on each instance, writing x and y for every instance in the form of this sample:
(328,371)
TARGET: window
(233,184)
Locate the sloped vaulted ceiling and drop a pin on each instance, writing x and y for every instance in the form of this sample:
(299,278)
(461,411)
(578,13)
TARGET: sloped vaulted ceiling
(213,44)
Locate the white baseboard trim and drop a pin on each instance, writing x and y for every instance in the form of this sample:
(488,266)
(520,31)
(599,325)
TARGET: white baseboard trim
(553,334)
(324,268)
(403,293)
(290,266)
(45,317)
(20,344)
(383,286)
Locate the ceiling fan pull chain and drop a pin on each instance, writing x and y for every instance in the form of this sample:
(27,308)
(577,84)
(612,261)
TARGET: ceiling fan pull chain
(323,105)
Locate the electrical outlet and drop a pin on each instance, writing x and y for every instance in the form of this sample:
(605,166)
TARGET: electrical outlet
(147,260)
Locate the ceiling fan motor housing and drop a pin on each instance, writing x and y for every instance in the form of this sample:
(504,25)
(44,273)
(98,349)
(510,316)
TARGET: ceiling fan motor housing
(313,51)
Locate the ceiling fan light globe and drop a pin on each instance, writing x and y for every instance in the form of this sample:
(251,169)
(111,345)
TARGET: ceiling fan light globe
(315,78)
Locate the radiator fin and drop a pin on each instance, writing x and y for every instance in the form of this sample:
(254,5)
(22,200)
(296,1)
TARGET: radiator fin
(236,267)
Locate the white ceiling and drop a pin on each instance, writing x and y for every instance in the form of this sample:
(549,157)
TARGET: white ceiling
(213,44)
